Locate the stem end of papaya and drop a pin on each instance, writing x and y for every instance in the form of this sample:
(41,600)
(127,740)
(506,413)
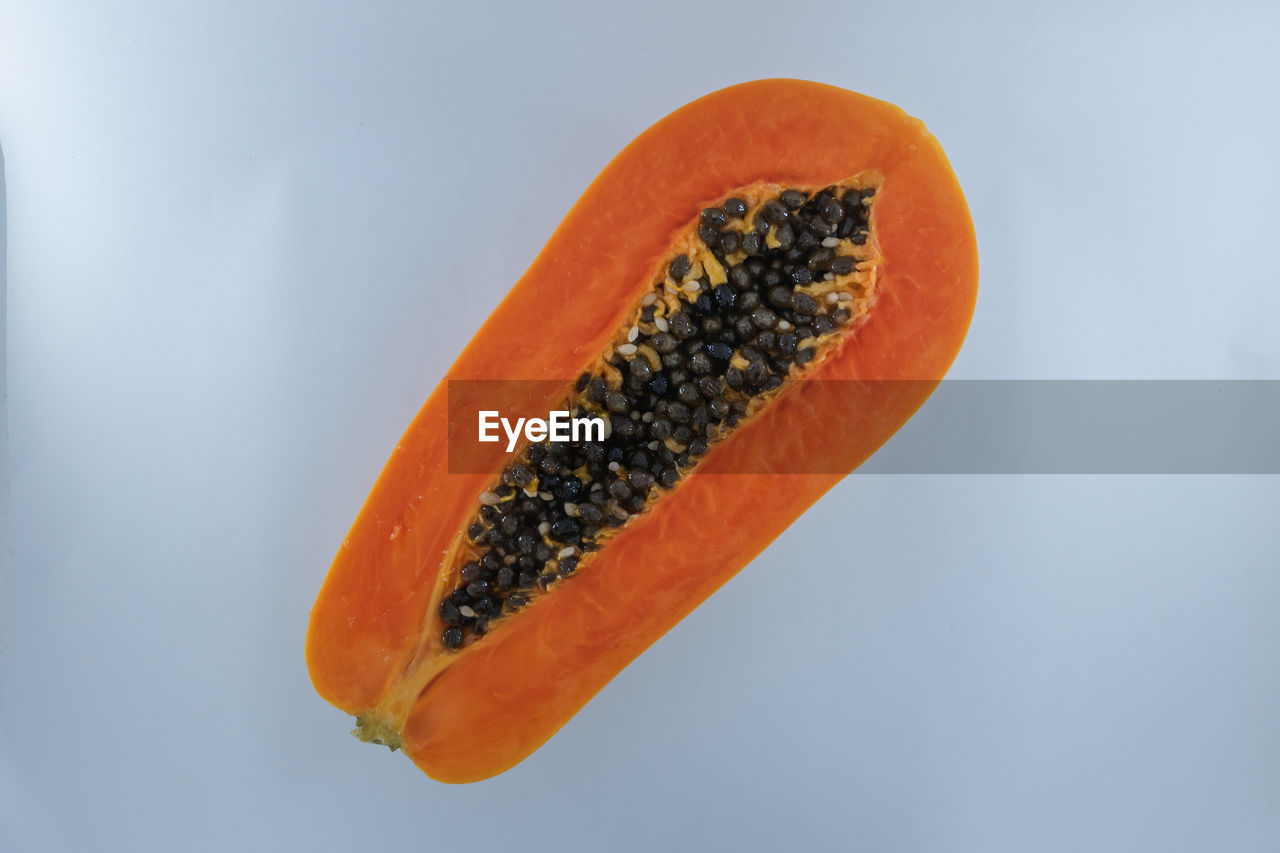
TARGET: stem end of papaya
(374,730)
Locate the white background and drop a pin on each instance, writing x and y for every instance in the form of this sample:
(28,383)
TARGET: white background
(245,240)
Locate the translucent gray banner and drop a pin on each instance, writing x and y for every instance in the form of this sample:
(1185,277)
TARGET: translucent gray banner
(964,427)
(1089,427)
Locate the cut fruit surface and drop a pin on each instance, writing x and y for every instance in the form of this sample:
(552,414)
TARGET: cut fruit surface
(750,298)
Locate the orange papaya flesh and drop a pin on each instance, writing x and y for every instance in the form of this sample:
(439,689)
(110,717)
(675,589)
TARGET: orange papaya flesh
(799,259)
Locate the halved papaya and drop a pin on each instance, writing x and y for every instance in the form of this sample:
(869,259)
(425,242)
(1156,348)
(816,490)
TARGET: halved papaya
(750,299)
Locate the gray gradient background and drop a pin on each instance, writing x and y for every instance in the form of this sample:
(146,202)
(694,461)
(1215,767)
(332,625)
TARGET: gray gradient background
(245,241)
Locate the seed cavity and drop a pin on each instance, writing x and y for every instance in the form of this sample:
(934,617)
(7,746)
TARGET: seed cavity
(761,286)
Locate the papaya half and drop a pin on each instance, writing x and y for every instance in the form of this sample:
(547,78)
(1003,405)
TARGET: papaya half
(747,302)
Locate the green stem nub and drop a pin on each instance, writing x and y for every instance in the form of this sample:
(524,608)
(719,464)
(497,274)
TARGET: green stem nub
(372,730)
